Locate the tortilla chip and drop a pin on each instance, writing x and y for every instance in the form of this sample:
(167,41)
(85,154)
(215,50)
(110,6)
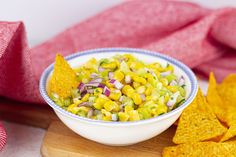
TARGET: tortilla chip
(198,123)
(227,92)
(200,149)
(214,100)
(63,78)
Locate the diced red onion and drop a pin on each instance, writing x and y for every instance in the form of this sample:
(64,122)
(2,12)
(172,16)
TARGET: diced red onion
(143,97)
(163,74)
(173,99)
(90,113)
(81,87)
(181,81)
(112,81)
(121,98)
(99,80)
(92,84)
(83,93)
(87,104)
(127,79)
(173,83)
(100,69)
(101,85)
(90,91)
(118,85)
(94,75)
(110,75)
(106,91)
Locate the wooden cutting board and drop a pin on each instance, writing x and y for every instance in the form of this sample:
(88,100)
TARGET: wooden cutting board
(60,141)
(29,114)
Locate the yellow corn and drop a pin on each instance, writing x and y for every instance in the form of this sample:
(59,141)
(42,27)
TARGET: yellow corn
(90,64)
(135,65)
(141,89)
(70,108)
(134,115)
(98,106)
(136,84)
(111,106)
(118,75)
(137,98)
(123,117)
(98,91)
(115,94)
(106,115)
(148,98)
(139,79)
(167,97)
(148,91)
(111,65)
(85,98)
(162,108)
(128,90)
(172,88)
(164,81)
(109,85)
(76,101)
(128,108)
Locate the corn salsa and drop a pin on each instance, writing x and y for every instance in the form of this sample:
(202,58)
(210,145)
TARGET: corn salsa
(123,88)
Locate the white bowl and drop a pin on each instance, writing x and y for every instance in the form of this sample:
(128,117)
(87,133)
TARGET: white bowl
(122,133)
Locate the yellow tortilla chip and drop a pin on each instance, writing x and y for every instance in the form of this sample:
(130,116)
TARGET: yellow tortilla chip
(227,107)
(214,100)
(198,123)
(201,149)
(63,78)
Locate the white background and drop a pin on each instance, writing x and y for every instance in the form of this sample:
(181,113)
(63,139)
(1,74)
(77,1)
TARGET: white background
(45,18)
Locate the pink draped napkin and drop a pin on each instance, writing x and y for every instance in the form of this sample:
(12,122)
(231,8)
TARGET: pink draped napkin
(203,39)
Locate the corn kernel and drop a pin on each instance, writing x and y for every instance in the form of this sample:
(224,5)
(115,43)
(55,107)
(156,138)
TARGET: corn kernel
(98,106)
(164,81)
(109,85)
(134,115)
(123,116)
(172,88)
(86,97)
(70,108)
(111,65)
(111,106)
(136,98)
(98,91)
(136,84)
(106,115)
(76,101)
(118,75)
(139,79)
(128,90)
(141,89)
(162,108)
(115,94)
(128,108)
(148,91)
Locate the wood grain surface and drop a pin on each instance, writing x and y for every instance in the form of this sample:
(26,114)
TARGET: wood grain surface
(60,141)
(29,114)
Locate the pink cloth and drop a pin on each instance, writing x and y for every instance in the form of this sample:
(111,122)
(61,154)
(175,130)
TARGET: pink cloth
(3,137)
(203,39)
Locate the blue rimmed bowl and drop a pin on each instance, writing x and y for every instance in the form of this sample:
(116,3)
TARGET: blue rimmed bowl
(121,133)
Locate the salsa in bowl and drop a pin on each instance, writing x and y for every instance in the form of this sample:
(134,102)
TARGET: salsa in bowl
(117,92)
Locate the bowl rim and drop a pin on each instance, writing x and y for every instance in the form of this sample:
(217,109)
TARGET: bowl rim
(182,66)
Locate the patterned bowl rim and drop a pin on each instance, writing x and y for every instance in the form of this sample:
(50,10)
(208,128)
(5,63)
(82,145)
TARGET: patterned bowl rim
(186,70)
